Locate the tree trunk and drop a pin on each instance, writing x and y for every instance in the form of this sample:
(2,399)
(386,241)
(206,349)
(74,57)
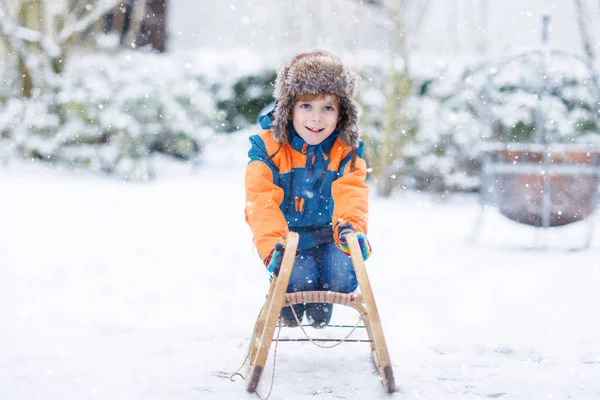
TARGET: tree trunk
(135,23)
(27,83)
(395,129)
(118,22)
(30,16)
(157,24)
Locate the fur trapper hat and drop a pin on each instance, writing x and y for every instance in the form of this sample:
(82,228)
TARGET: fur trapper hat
(315,73)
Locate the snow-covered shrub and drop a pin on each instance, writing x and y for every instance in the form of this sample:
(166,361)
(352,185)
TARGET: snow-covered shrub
(246,98)
(118,109)
(34,136)
(558,90)
(444,155)
(440,131)
(453,110)
(240,82)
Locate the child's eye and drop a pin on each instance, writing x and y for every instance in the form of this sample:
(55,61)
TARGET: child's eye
(305,106)
(328,108)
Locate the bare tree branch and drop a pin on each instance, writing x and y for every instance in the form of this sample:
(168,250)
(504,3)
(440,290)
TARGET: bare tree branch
(9,27)
(75,10)
(13,31)
(17,38)
(101,9)
(39,64)
(15,34)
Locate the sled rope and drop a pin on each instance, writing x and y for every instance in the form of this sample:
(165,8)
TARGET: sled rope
(237,372)
(274,363)
(359,319)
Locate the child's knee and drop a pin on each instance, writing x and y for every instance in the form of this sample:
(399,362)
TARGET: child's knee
(302,284)
(337,271)
(342,283)
(304,275)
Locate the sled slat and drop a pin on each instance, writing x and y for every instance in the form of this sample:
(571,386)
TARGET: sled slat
(344,299)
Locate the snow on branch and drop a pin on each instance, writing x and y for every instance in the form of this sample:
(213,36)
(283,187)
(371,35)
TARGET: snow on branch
(10,28)
(26,34)
(79,26)
(38,65)
(16,35)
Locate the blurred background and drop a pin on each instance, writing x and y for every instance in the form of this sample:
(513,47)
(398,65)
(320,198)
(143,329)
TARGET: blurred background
(110,85)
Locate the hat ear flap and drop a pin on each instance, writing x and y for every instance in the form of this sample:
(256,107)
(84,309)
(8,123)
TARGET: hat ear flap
(349,126)
(284,105)
(281,120)
(281,84)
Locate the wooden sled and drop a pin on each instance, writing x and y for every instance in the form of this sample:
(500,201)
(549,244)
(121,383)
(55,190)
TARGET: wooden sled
(277,298)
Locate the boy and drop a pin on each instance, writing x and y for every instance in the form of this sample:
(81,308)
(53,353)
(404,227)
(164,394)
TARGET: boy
(306,174)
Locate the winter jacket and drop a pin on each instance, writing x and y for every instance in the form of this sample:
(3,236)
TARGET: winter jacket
(309,189)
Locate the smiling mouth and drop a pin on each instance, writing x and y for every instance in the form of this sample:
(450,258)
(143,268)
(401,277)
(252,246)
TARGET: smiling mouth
(314,130)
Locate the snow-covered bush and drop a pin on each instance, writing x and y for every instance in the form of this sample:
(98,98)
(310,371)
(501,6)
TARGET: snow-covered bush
(113,110)
(456,106)
(246,98)
(444,155)
(117,109)
(441,129)
(240,82)
(554,90)
(152,100)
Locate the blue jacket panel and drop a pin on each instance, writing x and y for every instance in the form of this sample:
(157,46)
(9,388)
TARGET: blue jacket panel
(307,204)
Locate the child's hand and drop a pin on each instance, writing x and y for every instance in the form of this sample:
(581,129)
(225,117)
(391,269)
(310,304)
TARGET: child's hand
(363,243)
(274,259)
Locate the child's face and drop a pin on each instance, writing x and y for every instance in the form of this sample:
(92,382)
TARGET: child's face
(315,117)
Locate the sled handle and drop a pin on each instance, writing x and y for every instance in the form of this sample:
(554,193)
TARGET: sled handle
(385,364)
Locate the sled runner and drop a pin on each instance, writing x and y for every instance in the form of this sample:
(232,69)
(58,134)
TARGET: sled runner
(277,298)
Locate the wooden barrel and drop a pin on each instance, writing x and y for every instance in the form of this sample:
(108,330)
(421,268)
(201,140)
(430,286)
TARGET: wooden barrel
(520,176)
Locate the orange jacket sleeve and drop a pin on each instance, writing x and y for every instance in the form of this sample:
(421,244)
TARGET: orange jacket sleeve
(351,198)
(262,211)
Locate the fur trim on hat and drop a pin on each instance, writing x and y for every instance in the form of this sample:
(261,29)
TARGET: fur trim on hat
(316,73)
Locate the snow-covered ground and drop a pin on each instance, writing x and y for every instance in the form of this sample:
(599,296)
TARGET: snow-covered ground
(114,290)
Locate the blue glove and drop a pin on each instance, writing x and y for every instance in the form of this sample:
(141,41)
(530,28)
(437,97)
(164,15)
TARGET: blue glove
(274,259)
(363,243)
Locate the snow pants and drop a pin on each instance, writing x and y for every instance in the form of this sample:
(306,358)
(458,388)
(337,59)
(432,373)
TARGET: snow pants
(324,267)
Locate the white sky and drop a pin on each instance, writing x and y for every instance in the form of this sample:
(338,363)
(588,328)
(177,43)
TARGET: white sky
(450,26)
